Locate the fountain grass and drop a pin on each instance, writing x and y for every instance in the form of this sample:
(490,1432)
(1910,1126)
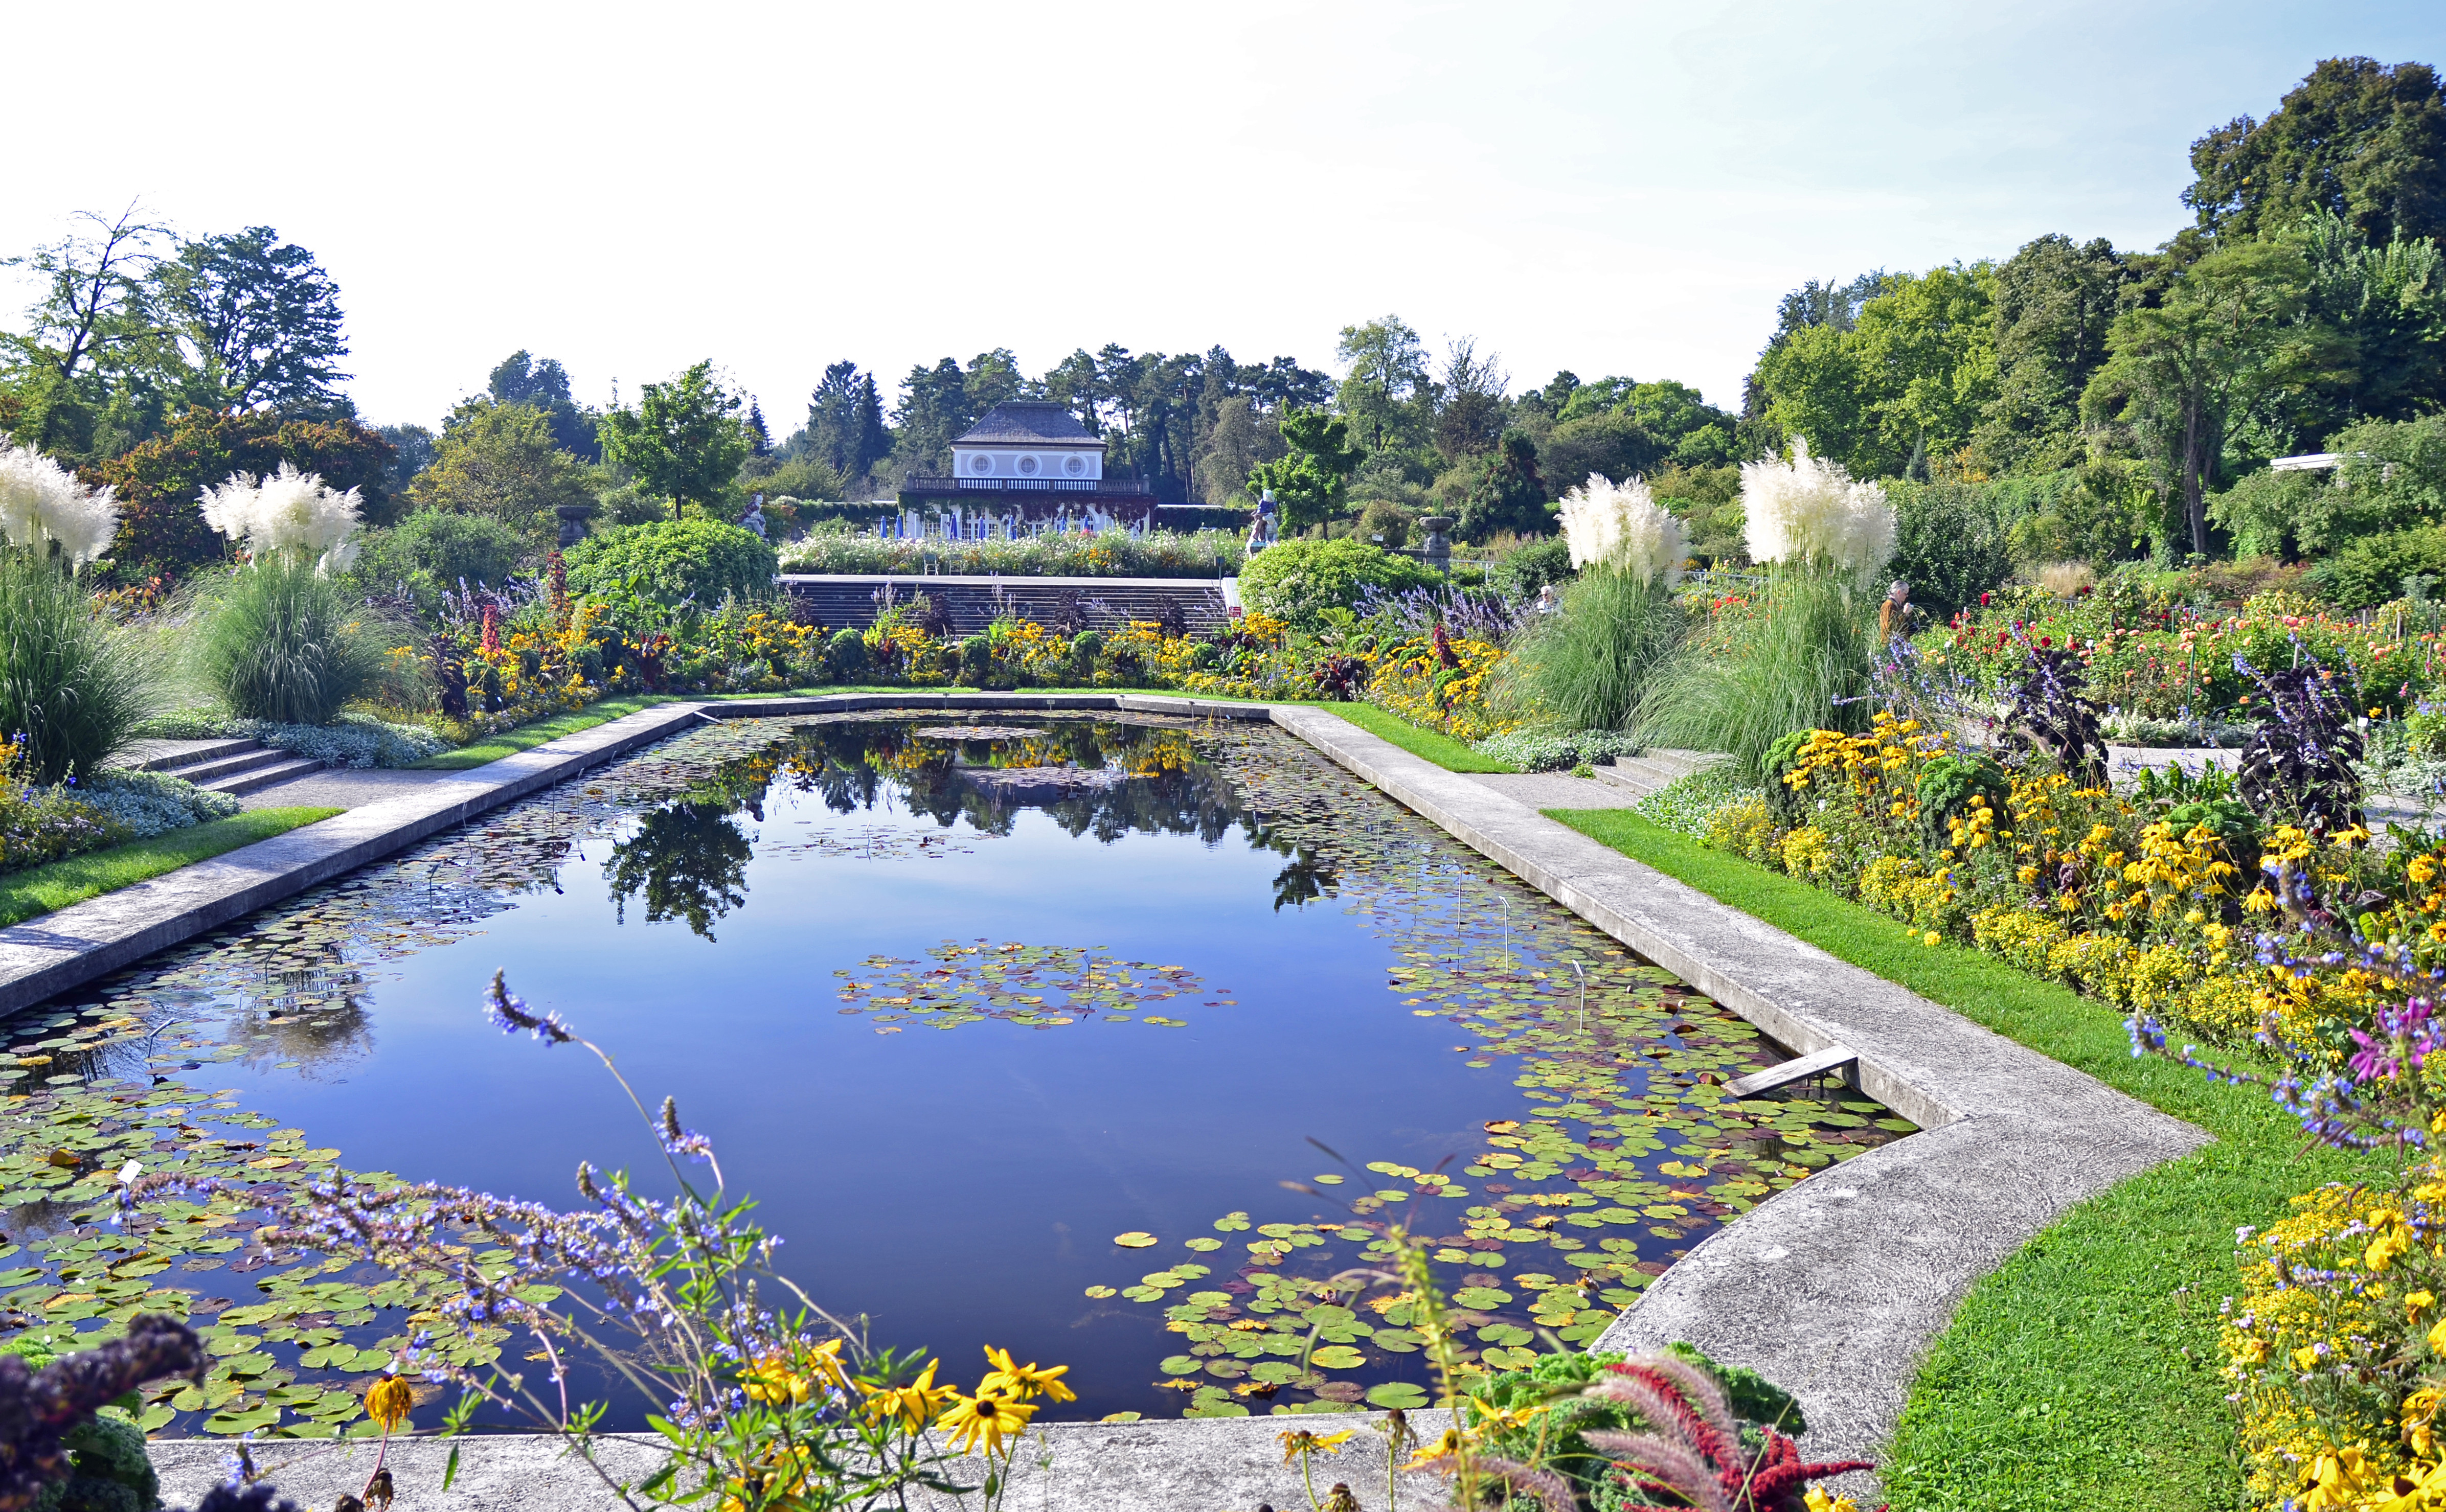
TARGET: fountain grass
(47,889)
(2084,1371)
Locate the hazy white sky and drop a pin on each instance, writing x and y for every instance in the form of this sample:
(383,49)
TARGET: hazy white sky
(1613,188)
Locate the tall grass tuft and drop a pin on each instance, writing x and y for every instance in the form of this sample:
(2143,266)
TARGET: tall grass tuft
(278,641)
(1800,662)
(1583,666)
(76,687)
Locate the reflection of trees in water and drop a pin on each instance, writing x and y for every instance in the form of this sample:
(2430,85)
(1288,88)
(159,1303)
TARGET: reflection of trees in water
(687,859)
(313,1018)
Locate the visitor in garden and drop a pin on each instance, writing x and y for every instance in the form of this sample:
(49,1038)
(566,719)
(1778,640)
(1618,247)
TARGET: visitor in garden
(1896,615)
(754,518)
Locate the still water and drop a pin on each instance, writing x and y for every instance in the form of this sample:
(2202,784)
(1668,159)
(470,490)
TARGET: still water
(959,1004)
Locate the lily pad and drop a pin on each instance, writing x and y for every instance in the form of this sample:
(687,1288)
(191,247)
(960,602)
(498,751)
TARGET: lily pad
(1401,1395)
(1336,1357)
(1135,1239)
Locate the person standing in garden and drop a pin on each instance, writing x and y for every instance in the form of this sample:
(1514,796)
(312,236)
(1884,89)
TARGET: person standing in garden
(1896,614)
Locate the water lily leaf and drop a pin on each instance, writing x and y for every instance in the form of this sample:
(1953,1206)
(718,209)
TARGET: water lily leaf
(1401,1395)
(1336,1357)
(1478,1298)
(1178,1365)
(1135,1239)
(1204,1242)
(1102,1292)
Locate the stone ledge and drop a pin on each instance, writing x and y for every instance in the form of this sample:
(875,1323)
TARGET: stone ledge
(1833,1288)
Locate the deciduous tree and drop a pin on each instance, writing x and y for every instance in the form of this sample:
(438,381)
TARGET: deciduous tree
(684,440)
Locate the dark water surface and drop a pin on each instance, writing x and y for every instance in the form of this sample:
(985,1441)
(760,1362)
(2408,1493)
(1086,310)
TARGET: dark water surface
(955,1030)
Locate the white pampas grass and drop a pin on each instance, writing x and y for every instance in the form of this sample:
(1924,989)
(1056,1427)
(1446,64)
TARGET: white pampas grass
(42,501)
(1810,512)
(287,512)
(1621,525)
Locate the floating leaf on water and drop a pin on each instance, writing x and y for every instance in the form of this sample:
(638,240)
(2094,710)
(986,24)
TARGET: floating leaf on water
(1178,1365)
(1402,1394)
(1328,1180)
(1478,1298)
(1203,1242)
(1336,1357)
(1135,1239)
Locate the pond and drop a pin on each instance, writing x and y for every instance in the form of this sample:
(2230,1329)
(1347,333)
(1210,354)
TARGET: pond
(1015,1027)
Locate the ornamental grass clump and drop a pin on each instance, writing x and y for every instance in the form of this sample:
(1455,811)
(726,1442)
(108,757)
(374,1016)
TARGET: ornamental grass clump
(761,1408)
(74,688)
(1796,658)
(1583,667)
(278,639)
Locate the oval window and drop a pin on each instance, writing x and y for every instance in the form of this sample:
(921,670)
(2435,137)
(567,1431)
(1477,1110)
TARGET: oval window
(983,464)
(1028,466)
(1075,466)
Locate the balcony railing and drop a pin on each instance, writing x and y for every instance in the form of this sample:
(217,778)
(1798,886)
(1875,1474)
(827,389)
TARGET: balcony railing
(953,483)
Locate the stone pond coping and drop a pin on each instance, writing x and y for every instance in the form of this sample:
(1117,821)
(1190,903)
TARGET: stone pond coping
(1832,1288)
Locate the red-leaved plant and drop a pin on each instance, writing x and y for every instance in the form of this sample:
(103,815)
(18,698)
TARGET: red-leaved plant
(1692,1455)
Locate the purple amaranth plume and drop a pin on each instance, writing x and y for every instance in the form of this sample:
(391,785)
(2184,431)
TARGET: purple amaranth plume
(1693,1452)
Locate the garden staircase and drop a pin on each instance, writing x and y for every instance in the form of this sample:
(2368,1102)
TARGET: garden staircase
(1651,770)
(234,767)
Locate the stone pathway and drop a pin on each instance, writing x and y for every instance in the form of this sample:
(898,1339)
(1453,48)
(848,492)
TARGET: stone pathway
(1556,790)
(346,788)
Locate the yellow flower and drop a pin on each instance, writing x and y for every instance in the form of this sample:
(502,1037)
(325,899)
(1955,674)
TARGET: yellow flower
(914,1405)
(1930,937)
(387,1401)
(984,1420)
(1444,1446)
(1300,1441)
(2306,1358)
(2437,1337)
(2338,1479)
(1024,1382)
(2416,1303)
(1818,1501)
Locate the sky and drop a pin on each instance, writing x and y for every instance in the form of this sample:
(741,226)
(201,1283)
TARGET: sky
(1620,188)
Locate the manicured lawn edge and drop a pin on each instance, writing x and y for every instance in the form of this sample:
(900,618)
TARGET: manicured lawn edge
(47,889)
(2084,1370)
(1427,746)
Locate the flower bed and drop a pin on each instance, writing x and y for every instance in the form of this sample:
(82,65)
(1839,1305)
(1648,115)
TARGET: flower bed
(1109,554)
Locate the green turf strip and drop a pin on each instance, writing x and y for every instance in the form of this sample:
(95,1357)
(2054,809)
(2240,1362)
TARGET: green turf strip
(43,889)
(1445,752)
(2082,1373)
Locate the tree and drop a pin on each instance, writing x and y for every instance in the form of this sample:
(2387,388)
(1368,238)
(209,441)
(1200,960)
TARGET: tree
(500,461)
(2178,374)
(1911,375)
(2354,139)
(256,321)
(520,379)
(1470,417)
(84,377)
(845,422)
(412,453)
(1308,480)
(1239,440)
(1507,495)
(684,440)
(158,481)
(1385,368)
(2054,300)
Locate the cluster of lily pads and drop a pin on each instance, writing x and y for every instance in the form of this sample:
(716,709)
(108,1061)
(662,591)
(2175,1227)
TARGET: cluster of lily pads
(1034,986)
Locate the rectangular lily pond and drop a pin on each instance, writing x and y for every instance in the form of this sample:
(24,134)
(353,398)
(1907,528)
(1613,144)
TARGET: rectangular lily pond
(1015,1028)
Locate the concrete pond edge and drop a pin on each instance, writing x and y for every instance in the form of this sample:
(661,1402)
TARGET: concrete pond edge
(1833,1288)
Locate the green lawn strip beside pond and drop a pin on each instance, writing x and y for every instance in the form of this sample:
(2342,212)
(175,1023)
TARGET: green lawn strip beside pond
(47,889)
(2083,1372)
(1429,745)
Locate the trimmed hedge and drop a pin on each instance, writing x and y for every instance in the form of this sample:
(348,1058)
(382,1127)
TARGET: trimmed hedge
(675,560)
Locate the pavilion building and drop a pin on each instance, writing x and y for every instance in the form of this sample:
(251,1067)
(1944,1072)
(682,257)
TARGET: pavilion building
(1028,468)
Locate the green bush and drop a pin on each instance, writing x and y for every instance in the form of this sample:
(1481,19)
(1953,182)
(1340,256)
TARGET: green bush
(1951,544)
(976,661)
(1799,661)
(2371,571)
(1521,573)
(1298,580)
(845,657)
(76,687)
(1084,650)
(675,560)
(1581,667)
(280,642)
(445,545)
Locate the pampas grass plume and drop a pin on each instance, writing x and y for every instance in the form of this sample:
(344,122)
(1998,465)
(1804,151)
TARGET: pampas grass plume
(287,512)
(1621,525)
(1810,512)
(40,502)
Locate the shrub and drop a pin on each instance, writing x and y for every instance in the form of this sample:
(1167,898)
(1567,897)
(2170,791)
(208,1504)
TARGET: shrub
(1554,750)
(1950,787)
(673,561)
(976,661)
(1949,544)
(2371,571)
(278,641)
(149,803)
(1522,572)
(845,657)
(1583,666)
(448,547)
(1296,581)
(1688,805)
(1800,659)
(73,685)
(358,740)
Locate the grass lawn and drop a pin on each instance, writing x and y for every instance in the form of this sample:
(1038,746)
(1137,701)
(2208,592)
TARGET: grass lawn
(1445,752)
(2083,1372)
(43,889)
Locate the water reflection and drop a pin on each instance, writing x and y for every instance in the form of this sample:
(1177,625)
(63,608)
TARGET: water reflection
(687,859)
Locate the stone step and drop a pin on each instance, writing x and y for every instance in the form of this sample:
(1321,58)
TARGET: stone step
(1833,1057)
(249,757)
(1651,772)
(164,755)
(239,784)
